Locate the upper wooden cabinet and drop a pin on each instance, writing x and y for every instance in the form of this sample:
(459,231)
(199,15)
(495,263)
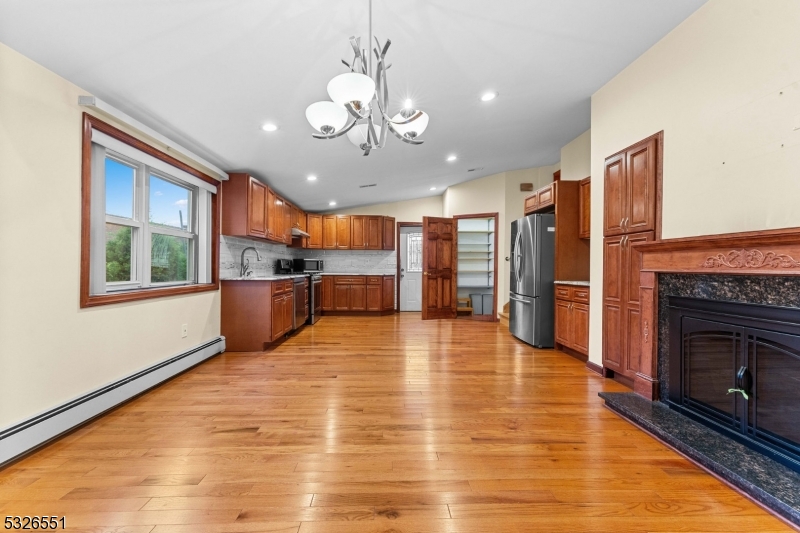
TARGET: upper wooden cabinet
(358,232)
(329,232)
(388,233)
(248,208)
(256,208)
(630,189)
(354,232)
(585,208)
(342,232)
(314,229)
(374,232)
(541,198)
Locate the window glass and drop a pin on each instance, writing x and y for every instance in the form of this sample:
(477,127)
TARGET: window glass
(118,253)
(169,204)
(119,188)
(414,252)
(169,258)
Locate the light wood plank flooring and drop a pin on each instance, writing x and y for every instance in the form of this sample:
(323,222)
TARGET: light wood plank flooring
(383,424)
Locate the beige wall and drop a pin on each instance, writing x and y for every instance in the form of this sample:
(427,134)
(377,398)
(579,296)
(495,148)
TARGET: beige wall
(576,157)
(405,211)
(725,88)
(51,350)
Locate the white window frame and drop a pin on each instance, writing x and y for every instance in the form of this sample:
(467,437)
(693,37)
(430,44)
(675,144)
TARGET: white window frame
(199,218)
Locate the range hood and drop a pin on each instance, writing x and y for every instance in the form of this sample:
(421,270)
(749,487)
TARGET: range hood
(297,232)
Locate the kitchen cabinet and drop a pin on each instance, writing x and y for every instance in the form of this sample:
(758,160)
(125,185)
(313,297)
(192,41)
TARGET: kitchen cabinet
(572,318)
(273,218)
(329,232)
(388,233)
(374,232)
(546,196)
(244,207)
(358,232)
(314,229)
(336,232)
(255,313)
(342,232)
(531,203)
(584,208)
(374,294)
(630,190)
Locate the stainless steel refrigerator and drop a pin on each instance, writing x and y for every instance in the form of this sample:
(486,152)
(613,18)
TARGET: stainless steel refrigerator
(532,293)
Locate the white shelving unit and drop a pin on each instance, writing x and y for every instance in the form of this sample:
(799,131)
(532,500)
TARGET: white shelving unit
(476,257)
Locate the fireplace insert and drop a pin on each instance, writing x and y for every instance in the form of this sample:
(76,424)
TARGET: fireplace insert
(736,368)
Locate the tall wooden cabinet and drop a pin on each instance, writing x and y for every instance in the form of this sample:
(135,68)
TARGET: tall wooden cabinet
(314,229)
(632,183)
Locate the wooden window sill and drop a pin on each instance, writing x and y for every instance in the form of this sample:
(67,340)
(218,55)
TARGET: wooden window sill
(145,294)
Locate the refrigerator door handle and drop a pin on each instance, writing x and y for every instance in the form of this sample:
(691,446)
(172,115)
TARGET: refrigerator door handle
(517,299)
(518,256)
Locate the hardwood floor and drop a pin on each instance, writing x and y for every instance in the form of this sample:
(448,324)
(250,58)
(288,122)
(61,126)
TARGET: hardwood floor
(377,424)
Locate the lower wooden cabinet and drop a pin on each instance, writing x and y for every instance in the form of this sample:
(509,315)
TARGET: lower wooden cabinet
(358,293)
(255,313)
(572,317)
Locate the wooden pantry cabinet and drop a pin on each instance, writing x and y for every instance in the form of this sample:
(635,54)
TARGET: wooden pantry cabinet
(572,318)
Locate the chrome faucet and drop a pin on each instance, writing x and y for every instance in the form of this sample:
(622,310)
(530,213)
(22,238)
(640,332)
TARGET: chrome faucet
(245,270)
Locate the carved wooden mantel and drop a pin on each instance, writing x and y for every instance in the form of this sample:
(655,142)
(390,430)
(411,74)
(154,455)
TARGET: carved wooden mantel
(762,253)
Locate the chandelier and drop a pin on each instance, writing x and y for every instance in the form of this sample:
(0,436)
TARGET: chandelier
(359,98)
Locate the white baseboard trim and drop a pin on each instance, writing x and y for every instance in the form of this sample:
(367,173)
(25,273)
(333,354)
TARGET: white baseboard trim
(25,436)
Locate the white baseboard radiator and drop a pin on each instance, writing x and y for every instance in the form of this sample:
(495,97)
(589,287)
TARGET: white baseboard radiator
(32,433)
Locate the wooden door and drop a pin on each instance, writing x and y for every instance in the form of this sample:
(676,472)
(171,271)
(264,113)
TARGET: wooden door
(564,323)
(329,232)
(256,208)
(358,232)
(314,228)
(387,298)
(614,193)
(288,312)
(613,303)
(374,297)
(342,232)
(278,326)
(640,201)
(358,297)
(438,268)
(271,214)
(585,208)
(580,327)
(388,233)
(341,297)
(327,293)
(374,233)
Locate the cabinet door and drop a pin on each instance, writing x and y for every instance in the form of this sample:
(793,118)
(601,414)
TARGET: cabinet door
(358,297)
(314,225)
(613,303)
(278,325)
(580,328)
(329,232)
(342,232)
(287,222)
(341,297)
(388,233)
(271,214)
(640,170)
(614,193)
(256,208)
(584,208)
(531,203)
(374,233)
(387,298)
(288,312)
(327,293)
(373,297)
(563,323)
(631,265)
(358,233)
(546,196)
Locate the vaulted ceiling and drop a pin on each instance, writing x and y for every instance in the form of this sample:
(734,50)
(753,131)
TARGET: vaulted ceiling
(210,73)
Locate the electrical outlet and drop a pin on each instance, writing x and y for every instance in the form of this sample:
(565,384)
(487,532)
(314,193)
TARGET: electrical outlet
(184,330)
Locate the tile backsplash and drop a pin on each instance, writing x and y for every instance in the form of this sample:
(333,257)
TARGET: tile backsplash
(345,261)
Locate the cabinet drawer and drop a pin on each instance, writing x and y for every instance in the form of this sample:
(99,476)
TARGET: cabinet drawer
(281,286)
(580,294)
(563,292)
(373,280)
(351,280)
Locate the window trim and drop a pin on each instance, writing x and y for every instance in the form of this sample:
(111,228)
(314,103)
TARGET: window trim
(86,298)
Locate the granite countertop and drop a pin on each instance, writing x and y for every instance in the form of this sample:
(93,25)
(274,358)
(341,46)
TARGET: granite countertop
(577,283)
(270,277)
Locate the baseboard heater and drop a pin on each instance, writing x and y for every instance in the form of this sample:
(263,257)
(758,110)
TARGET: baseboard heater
(32,433)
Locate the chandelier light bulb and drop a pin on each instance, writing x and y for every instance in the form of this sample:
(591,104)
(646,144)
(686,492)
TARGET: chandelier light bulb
(409,104)
(412,129)
(358,135)
(326,117)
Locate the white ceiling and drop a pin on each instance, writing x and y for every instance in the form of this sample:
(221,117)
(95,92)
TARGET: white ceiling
(209,73)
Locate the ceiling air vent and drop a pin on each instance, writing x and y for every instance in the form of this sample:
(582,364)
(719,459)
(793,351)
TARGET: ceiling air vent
(365,186)
(475,169)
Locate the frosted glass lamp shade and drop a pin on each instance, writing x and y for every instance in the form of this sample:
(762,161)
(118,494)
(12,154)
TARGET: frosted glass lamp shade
(412,129)
(358,134)
(351,87)
(326,117)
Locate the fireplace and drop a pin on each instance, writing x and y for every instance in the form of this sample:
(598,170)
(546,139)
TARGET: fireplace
(735,367)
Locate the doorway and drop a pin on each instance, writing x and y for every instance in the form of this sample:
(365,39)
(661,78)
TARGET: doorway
(409,266)
(476,268)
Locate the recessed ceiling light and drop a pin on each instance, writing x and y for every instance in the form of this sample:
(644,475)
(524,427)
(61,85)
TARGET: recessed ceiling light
(433,188)
(451,158)
(489,96)
(331,203)
(312,178)
(269,127)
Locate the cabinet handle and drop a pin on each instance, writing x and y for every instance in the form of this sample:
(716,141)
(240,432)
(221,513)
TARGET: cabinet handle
(622,223)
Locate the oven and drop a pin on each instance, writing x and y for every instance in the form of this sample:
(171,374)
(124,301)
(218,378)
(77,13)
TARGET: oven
(315,306)
(307,265)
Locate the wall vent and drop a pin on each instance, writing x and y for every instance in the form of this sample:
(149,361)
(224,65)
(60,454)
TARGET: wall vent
(475,169)
(365,186)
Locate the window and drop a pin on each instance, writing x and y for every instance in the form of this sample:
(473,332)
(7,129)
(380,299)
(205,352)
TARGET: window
(151,221)
(414,252)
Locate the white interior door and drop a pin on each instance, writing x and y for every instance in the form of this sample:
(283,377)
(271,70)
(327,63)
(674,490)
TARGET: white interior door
(411,268)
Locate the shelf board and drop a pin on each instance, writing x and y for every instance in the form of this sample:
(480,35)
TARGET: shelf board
(474,286)
(474,271)
(476,231)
